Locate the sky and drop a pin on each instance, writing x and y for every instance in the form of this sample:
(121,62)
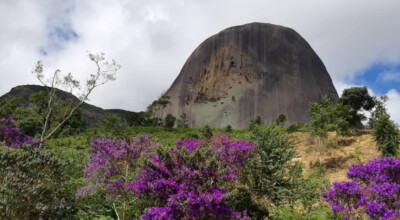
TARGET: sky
(358,41)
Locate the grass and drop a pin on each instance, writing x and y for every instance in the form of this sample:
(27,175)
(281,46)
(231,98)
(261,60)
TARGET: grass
(340,152)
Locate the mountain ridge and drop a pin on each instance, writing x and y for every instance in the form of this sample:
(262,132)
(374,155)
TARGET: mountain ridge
(90,113)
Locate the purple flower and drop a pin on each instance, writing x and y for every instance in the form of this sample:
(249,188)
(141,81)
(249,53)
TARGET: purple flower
(375,190)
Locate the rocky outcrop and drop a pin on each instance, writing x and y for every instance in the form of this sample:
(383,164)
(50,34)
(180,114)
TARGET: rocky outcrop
(246,71)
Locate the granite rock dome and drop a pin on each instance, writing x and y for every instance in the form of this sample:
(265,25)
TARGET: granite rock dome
(246,71)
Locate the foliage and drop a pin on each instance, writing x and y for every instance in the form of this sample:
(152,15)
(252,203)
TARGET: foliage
(106,71)
(326,116)
(31,185)
(184,182)
(112,123)
(240,199)
(10,135)
(287,213)
(169,121)
(30,122)
(358,99)
(228,129)
(38,101)
(374,190)
(280,121)
(74,125)
(270,169)
(11,103)
(206,132)
(182,122)
(159,104)
(112,166)
(386,135)
(136,118)
(296,127)
(379,110)
(254,123)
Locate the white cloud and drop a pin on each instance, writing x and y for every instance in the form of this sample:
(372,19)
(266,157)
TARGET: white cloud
(393,105)
(152,39)
(390,76)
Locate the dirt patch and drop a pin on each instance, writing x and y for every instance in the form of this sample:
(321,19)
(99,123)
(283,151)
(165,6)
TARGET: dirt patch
(359,147)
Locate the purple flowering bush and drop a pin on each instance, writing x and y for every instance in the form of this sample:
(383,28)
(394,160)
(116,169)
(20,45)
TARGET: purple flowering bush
(374,190)
(112,166)
(186,181)
(11,135)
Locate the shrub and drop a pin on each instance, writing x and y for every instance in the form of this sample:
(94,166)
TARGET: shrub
(374,190)
(169,121)
(185,181)
(112,166)
(386,135)
(206,132)
(228,129)
(240,199)
(269,170)
(255,123)
(31,184)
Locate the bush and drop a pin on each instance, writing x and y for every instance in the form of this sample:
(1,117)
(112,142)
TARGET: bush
(31,185)
(185,181)
(169,121)
(386,135)
(374,190)
(255,123)
(228,129)
(270,170)
(296,127)
(240,199)
(206,132)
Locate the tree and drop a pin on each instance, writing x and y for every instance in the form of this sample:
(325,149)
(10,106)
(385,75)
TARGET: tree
(105,72)
(386,135)
(163,101)
(325,117)
(379,110)
(358,99)
(11,103)
(169,121)
(151,113)
(29,120)
(136,118)
(374,191)
(38,101)
(280,121)
(271,167)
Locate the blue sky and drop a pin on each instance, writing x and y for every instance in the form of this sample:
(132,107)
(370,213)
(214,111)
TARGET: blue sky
(358,40)
(380,78)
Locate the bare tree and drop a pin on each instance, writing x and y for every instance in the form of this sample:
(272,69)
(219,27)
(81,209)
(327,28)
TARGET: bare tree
(106,71)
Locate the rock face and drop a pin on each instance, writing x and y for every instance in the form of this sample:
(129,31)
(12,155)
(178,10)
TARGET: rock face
(247,71)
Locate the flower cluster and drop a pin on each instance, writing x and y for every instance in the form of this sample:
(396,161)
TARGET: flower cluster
(375,189)
(112,164)
(10,134)
(186,180)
